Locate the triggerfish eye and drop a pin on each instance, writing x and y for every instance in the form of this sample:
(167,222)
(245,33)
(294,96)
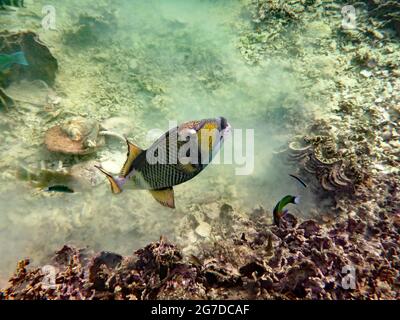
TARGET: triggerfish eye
(224,123)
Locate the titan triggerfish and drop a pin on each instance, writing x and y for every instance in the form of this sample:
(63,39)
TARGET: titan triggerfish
(177,156)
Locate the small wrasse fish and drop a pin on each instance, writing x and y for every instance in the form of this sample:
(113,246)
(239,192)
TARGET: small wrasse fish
(11,3)
(59,188)
(280,210)
(177,156)
(7,60)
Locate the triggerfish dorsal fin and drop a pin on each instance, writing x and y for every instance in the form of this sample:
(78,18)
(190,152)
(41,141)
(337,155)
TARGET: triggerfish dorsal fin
(115,188)
(164,196)
(133,152)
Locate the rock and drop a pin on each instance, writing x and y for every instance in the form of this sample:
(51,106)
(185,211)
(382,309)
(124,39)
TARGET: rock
(366,73)
(122,125)
(203,229)
(87,174)
(318,29)
(226,212)
(133,64)
(6,102)
(34,92)
(42,64)
(77,136)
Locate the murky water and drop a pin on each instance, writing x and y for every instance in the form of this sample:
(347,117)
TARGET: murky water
(153,62)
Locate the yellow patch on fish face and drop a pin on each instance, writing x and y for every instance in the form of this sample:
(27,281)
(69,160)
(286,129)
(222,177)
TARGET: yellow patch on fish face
(210,133)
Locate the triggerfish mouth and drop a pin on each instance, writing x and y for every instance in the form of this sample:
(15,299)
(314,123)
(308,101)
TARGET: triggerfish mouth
(177,156)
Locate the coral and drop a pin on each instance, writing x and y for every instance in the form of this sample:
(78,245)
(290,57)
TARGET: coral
(81,176)
(280,9)
(90,29)
(6,102)
(42,64)
(388,11)
(300,259)
(76,136)
(318,156)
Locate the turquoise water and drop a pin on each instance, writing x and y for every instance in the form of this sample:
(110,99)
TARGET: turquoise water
(146,63)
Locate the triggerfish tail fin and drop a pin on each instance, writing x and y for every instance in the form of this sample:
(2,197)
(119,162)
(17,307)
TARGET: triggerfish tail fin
(133,152)
(115,188)
(19,57)
(164,196)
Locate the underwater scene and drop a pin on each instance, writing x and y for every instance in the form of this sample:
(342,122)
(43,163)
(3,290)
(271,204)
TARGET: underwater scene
(202,149)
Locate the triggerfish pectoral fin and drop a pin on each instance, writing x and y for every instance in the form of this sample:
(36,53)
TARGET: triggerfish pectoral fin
(133,152)
(164,196)
(115,188)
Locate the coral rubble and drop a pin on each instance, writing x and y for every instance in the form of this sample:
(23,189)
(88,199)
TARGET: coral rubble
(299,260)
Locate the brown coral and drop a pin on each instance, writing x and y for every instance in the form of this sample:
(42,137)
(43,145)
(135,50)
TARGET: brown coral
(318,157)
(42,64)
(308,261)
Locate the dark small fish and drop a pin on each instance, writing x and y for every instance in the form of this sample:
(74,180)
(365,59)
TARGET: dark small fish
(280,210)
(59,188)
(12,3)
(7,60)
(298,179)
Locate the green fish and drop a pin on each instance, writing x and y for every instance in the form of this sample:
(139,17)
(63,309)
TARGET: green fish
(11,3)
(176,157)
(7,60)
(280,210)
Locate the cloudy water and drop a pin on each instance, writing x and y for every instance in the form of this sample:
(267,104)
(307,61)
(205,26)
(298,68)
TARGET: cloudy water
(136,66)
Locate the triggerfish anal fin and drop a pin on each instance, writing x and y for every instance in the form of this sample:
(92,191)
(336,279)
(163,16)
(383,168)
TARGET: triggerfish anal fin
(115,188)
(133,152)
(164,196)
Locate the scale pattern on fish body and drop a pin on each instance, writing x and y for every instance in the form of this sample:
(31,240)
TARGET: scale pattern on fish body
(159,176)
(165,173)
